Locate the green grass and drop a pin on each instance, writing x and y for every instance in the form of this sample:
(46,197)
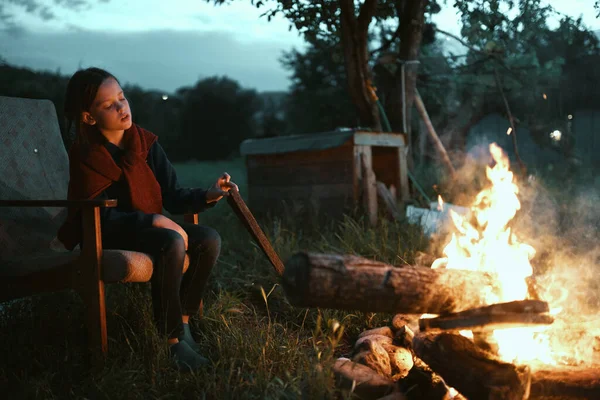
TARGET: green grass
(261,346)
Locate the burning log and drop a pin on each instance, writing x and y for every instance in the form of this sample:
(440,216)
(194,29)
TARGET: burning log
(496,316)
(347,282)
(423,383)
(566,383)
(474,373)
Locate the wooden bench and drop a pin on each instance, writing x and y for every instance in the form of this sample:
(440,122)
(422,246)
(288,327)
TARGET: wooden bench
(34,176)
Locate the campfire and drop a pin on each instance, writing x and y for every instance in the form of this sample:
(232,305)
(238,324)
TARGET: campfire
(485,328)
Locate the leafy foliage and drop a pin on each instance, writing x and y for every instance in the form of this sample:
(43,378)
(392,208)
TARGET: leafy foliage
(535,64)
(216,115)
(318,99)
(505,42)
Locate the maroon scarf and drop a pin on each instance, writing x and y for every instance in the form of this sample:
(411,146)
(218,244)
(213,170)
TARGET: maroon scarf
(93,170)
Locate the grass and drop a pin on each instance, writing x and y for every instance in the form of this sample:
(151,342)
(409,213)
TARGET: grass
(261,346)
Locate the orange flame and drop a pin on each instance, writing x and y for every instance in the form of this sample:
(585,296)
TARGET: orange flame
(488,244)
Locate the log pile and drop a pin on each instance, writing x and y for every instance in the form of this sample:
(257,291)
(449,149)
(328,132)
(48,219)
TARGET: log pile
(392,362)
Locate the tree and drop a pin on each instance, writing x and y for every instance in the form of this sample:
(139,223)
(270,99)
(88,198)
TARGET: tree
(216,115)
(519,58)
(349,21)
(318,99)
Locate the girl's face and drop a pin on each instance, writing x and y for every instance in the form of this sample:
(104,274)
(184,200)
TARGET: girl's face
(110,110)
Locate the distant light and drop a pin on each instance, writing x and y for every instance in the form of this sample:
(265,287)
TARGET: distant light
(545,97)
(556,135)
(509,131)
(165,97)
(570,116)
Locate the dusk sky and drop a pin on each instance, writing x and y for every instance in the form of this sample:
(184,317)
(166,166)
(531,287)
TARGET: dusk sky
(164,45)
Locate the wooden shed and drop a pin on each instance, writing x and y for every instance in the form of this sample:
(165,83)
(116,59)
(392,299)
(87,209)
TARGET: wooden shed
(324,172)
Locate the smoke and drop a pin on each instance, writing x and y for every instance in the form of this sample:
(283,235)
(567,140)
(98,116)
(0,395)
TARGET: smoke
(560,218)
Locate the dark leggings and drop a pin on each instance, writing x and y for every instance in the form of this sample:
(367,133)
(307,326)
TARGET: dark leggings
(174,293)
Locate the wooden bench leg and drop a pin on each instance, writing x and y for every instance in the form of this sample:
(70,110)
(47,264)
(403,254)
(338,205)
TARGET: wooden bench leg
(91,286)
(94,299)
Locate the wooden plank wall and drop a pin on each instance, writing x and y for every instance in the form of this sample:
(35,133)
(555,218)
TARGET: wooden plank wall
(389,165)
(315,181)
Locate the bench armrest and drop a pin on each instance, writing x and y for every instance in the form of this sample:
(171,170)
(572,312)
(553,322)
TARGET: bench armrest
(59,203)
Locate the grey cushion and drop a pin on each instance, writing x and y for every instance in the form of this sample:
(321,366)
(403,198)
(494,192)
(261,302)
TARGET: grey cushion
(33,166)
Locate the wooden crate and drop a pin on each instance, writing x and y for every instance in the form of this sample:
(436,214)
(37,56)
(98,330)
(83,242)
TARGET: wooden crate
(323,172)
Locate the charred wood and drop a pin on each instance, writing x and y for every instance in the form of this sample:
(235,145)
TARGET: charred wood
(473,372)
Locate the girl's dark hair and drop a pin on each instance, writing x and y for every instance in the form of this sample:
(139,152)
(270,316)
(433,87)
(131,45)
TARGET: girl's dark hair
(81,92)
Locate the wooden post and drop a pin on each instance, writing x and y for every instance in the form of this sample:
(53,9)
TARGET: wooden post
(369,184)
(403,175)
(91,285)
(356,174)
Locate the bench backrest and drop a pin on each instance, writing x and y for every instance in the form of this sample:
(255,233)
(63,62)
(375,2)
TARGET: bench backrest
(33,166)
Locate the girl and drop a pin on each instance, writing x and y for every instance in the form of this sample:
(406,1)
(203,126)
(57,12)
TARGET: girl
(117,159)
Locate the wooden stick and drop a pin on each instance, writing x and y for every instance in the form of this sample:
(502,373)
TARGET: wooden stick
(495,316)
(482,323)
(437,143)
(389,201)
(346,282)
(245,216)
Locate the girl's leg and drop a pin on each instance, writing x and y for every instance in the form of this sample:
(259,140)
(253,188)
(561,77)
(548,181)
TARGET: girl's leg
(168,250)
(204,246)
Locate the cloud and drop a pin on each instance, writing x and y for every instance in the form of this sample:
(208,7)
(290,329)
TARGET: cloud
(42,10)
(205,19)
(163,60)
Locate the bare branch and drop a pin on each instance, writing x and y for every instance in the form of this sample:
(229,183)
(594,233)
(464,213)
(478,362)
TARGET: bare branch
(387,42)
(513,127)
(467,45)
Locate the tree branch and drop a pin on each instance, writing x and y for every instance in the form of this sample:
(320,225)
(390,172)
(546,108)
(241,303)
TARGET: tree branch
(467,45)
(367,11)
(479,51)
(387,42)
(513,127)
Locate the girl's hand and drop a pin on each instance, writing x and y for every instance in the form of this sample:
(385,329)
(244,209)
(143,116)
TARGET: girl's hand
(160,221)
(220,188)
